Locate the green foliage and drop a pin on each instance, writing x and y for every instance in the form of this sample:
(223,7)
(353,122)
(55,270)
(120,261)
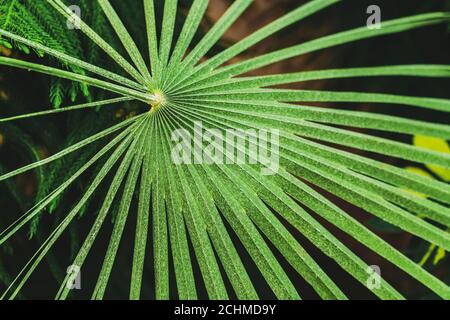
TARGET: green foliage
(207,208)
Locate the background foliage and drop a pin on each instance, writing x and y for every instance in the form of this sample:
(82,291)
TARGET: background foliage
(33,139)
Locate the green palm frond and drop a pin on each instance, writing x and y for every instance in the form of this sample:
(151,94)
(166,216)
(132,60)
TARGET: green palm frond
(200,211)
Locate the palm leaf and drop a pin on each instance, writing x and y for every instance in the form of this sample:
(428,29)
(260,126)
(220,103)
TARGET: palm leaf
(197,213)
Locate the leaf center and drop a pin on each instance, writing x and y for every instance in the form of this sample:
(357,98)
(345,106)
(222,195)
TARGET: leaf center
(160,100)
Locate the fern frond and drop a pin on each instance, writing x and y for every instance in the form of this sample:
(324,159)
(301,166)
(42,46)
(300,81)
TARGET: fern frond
(215,222)
(39,23)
